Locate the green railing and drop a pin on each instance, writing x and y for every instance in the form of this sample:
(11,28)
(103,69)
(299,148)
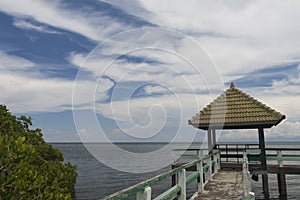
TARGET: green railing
(203,165)
(234,153)
(275,154)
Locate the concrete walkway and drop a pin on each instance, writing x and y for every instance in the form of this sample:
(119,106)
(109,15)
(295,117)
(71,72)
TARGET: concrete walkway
(224,185)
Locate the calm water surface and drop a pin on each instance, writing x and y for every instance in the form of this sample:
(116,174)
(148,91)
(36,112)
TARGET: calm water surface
(95,180)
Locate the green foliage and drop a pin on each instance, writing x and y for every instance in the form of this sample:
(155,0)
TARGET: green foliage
(29,167)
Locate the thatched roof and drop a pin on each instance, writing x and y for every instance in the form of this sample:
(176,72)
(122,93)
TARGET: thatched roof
(235,109)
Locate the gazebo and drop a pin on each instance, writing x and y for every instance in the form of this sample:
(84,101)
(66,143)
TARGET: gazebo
(235,109)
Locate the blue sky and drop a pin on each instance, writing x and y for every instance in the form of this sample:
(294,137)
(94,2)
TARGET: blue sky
(129,65)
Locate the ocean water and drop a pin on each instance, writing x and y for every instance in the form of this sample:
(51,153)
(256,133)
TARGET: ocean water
(95,180)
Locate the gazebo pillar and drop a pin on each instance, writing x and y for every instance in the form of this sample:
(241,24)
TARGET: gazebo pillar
(214,139)
(263,161)
(209,140)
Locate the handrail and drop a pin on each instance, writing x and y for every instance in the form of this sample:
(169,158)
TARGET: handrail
(282,149)
(143,189)
(234,151)
(278,156)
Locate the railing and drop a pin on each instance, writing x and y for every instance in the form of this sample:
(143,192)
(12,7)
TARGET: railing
(142,190)
(275,154)
(247,194)
(234,153)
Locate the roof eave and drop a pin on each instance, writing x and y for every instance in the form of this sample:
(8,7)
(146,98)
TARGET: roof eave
(266,124)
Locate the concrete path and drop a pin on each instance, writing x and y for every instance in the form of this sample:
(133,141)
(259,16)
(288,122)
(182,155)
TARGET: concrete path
(224,185)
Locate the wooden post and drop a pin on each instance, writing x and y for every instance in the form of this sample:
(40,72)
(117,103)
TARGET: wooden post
(200,186)
(226,146)
(265,183)
(263,158)
(263,161)
(279,158)
(144,195)
(182,185)
(219,160)
(281,177)
(281,184)
(174,178)
(209,142)
(214,138)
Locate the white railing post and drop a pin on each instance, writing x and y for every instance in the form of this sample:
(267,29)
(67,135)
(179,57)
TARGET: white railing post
(245,175)
(199,153)
(248,195)
(144,195)
(182,184)
(215,158)
(209,168)
(249,182)
(200,186)
(279,158)
(219,160)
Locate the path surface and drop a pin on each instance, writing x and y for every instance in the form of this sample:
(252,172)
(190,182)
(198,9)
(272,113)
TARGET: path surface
(224,185)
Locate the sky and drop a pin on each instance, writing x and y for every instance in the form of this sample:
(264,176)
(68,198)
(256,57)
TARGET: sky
(88,70)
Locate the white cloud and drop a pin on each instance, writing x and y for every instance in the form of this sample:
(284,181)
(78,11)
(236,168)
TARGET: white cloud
(249,35)
(155,89)
(150,116)
(27,94)
(92,25)
(29,26)
(244,35)
(11,62)
(138,110)
(171,75)
(285,129)
(134,7)
(238,134)
(282,96)
(175,62)
(23,92)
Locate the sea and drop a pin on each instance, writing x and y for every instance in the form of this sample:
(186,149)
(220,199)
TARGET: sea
(96,180)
